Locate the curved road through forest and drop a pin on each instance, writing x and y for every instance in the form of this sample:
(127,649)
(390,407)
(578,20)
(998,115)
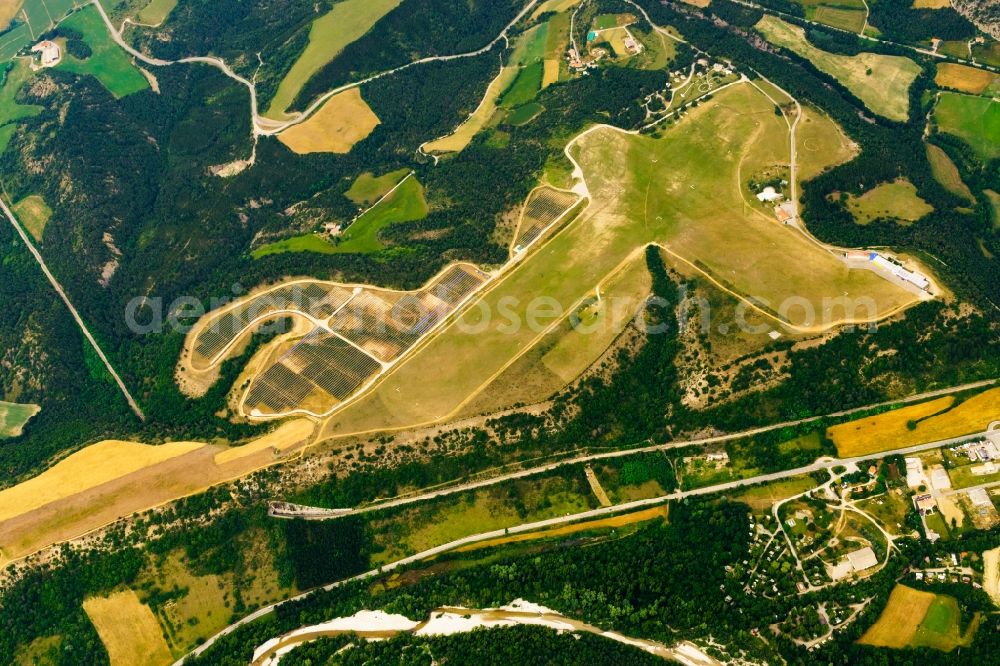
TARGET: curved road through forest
(263,126)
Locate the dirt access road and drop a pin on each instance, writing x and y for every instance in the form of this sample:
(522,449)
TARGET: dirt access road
(73,311)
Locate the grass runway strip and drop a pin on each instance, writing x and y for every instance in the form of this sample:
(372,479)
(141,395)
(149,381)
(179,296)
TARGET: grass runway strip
(684,191)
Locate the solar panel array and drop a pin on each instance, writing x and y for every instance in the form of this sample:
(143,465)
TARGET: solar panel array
(385,324)
(318,300)
(542,210)
(322,365)
(324,368)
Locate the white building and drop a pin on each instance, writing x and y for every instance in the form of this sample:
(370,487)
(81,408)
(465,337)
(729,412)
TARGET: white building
(898,271)
(769,194)
(50,53)
(914,472)
(939,478)
(863,558)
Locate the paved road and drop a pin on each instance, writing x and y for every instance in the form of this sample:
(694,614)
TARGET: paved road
(819,465)
(76,315)
(915,49)
(266,126)
(541,469)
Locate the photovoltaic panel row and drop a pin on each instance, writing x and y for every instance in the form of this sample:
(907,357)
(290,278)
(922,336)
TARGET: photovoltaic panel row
(318,300)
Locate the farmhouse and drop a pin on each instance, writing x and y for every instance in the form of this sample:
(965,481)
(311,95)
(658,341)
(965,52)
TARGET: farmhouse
(49,51)
(632,45)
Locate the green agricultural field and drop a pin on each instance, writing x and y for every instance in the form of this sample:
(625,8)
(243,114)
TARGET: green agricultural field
(34,214)
(17,74)
(156,12)
(975,120)
(529,48)
(844,14)
(404,532)
(940,628)
(522,115)
(405,204)
(304,243)
(525,86)
(531,45)
(345,23)
(946,173)
(108,63)
(988,53)
(368,188)
(897,200)
(683,190)
(13,417)
(761,498)
(885,90)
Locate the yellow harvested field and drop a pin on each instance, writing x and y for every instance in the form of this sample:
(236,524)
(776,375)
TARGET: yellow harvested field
(85,469)
(925,422)
(946,173)
(553,6)
(285,436)
(108,480)
(462,136)
(128,629)
(643,515)
(8,8)
(880,432)
(931,4)
(897,625)
(341,122)
(698,3)
(964,78)
(991,574)
(550,73)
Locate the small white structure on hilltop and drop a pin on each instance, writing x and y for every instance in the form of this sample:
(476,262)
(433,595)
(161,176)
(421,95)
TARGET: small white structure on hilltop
(769,194)
(50,52)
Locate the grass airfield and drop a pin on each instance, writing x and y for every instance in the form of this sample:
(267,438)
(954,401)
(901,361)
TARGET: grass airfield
(686,192)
